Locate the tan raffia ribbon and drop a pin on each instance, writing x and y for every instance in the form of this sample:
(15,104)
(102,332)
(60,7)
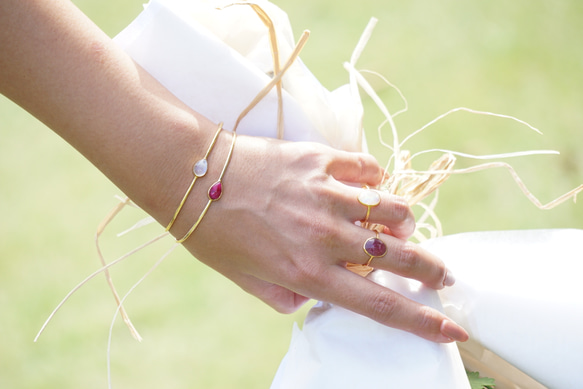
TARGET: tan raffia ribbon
(100,229)
(275,57)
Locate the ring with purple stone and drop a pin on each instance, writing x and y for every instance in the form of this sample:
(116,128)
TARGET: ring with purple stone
(369,198)
(374,247)
(199,170)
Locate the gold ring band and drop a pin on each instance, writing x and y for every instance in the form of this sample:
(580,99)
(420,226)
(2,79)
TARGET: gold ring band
(369,198)
(374,247)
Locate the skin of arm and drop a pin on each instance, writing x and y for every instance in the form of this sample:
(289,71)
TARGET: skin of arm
(284,227)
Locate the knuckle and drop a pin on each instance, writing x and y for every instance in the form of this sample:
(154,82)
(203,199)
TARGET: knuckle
(369,164)
(309,155)
(321,233)
(315,153)
(364,167)
(309,265)
(400,208)
(428,319)
(323,193)
(441,275)
(362,163)
(385,306)
(309,271)
(407,258)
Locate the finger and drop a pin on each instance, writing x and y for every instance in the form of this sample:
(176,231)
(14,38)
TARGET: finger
(378,207)
(393,212)
(388,307)
(358,168)
(398,256)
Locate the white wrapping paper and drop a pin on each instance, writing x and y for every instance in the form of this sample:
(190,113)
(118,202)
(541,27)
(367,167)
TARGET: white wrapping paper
(339,349)
(217,61)
(519,294)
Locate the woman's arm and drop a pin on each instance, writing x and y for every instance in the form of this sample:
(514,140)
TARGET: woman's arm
(284,227)
(66,72)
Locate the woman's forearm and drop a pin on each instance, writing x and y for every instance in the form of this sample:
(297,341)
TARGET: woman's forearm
(64,70)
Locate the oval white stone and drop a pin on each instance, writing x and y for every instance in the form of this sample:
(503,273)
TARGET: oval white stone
(369,197)
(200,168)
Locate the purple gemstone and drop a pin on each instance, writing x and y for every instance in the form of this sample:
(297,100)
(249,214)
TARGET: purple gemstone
(215,191)
(375,247)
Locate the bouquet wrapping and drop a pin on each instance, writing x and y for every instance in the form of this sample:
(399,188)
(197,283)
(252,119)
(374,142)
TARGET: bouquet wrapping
(216,58)
(519,295)
(338,348)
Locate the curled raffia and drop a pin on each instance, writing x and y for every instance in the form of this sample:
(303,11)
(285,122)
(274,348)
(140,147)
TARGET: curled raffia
(416,186)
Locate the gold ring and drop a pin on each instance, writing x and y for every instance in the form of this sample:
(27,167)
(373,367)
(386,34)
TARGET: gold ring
(369,198)
(374,247)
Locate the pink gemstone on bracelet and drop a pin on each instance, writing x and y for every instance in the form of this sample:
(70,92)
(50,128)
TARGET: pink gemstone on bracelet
(215,191)
(375,247)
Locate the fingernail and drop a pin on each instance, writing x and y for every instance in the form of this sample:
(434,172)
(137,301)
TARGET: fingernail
(453,331)
(449,279)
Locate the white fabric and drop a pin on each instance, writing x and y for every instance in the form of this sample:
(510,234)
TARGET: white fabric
(339,349)
(519,294)
(216,62)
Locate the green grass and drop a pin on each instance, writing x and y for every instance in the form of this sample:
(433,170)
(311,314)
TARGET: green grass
(520,58)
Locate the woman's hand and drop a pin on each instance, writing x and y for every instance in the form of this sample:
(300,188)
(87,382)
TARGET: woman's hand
(284,230)
(285,226)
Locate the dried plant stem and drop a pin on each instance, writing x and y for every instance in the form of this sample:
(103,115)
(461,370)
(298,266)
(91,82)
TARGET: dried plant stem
(112,214)
(93,275)
(276,66)
(561,199)
(414,185)
(266,20)
(277,78)
(119,308)
(474,111)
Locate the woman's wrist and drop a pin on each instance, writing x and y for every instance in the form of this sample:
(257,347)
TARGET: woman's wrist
(186,196)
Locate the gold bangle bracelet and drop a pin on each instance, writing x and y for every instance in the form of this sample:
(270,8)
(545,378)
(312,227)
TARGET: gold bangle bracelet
(214,193)
(199,170)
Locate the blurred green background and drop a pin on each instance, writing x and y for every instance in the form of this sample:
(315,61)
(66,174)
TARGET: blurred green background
(522,58)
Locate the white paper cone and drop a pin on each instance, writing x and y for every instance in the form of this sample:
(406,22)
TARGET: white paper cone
(185,45)
(519,294)
(339,349)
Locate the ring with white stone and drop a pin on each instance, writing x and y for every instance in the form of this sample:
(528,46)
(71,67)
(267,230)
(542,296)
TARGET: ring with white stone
(369,198)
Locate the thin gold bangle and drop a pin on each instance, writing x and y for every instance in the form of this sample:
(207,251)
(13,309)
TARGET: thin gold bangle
(199,170)
(214,193)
